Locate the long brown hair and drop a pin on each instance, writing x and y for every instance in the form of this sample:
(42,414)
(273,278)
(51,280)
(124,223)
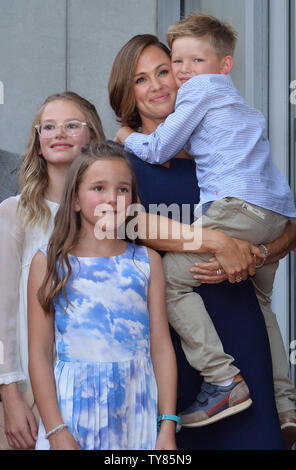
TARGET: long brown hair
(33,209)
(121,81)
(67,222)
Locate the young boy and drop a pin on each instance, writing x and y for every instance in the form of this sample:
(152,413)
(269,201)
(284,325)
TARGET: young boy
(242,192)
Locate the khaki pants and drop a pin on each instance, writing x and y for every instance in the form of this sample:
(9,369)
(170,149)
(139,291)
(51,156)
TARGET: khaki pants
(29,399)
(187,313)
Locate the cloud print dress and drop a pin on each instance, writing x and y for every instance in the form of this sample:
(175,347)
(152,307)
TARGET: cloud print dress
(105,382)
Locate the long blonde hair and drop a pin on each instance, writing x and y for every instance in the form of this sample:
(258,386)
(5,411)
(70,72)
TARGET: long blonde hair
(32,207)
(68,223)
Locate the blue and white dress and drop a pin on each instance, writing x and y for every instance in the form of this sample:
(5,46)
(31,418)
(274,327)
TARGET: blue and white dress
(104,376)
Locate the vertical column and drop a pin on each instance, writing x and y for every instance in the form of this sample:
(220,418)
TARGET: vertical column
(293,181)
(1,92)
(256,54)
(191,6)
(232,11)
(67,42)
(168,13)
(279,133)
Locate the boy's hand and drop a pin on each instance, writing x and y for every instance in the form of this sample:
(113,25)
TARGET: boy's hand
(122,134)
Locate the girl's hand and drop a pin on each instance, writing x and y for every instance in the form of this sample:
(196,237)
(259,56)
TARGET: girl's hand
(122,134)
(63,440)
(20,423)
(166,439)
(165,442)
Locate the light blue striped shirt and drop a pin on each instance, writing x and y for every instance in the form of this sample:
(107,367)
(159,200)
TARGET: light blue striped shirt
(225,136)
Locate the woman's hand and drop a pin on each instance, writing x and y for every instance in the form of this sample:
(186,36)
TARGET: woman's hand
(20,423)
(122,134)
(213,273)
(209,273)
(236,257)
(63,440)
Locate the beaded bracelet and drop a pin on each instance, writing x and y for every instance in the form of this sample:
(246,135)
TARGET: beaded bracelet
(56,430)
(175,418)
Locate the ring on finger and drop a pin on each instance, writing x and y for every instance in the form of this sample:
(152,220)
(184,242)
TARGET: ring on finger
(238,279)
(219,272)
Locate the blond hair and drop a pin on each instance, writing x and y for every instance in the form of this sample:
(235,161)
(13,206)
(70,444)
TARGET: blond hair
(121,81)
(32,206)
(222,36)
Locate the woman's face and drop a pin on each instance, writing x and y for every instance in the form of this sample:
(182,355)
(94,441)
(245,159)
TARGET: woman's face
(154,85)
(61,148)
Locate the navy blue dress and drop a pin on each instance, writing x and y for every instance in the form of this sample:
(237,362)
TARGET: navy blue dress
(239,322)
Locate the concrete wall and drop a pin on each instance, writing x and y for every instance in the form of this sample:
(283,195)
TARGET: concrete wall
(51,46)
(47,47)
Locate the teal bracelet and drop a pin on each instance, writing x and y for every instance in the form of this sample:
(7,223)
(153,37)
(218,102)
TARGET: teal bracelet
(175,418)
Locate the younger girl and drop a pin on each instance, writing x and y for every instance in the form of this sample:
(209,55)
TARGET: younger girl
(105,390)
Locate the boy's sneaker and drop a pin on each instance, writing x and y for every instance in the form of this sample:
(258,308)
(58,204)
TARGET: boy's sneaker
(215,402)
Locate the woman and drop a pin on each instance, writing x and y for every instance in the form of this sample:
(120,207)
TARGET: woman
(142,95)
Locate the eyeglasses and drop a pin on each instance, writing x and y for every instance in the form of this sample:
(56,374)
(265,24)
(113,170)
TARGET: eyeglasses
(70,128)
